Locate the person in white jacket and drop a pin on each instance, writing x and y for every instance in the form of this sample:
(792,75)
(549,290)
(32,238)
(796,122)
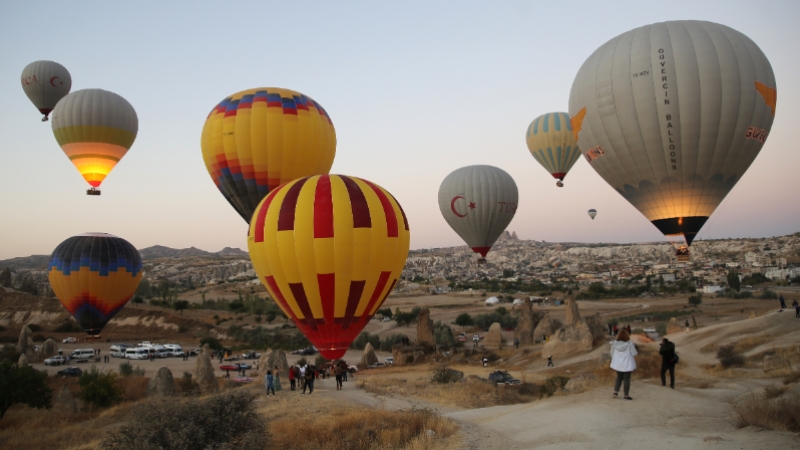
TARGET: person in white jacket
(623,352)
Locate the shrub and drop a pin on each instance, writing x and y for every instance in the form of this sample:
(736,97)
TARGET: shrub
(23,385)
(794,377)
(227,420)
(34,327)
(729,357)
(696,299)
(553,385)
(127,370)
(444,374)
(757,410)
(187,386)
(98,388)
(361,341)
(213,343)
(773,391)
(68,326)
(766,294)
(388,342)
(443,335)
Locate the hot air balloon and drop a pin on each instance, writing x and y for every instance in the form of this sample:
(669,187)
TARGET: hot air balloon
(552,144)
(478,202)
(592,213)
(45,83)
(329,249)
(671,115)
(555,261)
(258,139)
(95,128)
(94,275)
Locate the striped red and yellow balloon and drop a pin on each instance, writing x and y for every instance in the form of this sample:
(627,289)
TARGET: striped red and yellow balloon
(94,275)
(329,249)
(258,139)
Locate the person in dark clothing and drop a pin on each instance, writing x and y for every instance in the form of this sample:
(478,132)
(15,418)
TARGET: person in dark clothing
(667,352)
(783,302)
(310,372)
(796,309)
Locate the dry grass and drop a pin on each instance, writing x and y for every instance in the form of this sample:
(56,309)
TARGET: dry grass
(757,410)
(742,345)
(135,388)
(774,391)
(28,428)
(793,378)
(472,393)
(362,429)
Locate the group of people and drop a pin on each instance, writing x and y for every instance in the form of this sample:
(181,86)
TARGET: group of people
(795,305)
(613,329)
(623,361)
(303,376)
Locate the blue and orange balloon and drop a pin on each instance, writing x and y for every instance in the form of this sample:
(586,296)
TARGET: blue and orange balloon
(94,275)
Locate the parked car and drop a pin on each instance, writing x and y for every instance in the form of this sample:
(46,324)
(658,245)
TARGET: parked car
(69,340)
(462,337)
(306,351)
(70,372)
(502,377)
(54,360)
(236,367)
(389,360)
(476,337)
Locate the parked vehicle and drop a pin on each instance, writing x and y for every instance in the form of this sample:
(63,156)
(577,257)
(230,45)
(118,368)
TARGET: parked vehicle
(389,360)
(118,350)
(82,355)
(462,337)
(236,367)
(476,337)
(137,353)
(70,372)
(174,350)
(503,377)
(54,360)
(195,352)
(69,340)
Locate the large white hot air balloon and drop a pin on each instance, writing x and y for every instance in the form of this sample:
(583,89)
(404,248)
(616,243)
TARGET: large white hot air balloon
(478,202)
(45,83)
(671,115)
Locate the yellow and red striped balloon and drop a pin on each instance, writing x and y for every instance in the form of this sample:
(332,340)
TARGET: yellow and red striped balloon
(329,249)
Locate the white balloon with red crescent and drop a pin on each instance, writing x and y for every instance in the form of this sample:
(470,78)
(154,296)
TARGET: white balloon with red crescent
(490,196)
(45,83)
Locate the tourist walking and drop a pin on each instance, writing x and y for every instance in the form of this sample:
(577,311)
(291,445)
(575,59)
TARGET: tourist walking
(303,370)
(783,302)
(550,361)
(796,309)
(291,378)
(277,379)
(667,352)
(269,381)
(337,372)
(623,361)
(309,378)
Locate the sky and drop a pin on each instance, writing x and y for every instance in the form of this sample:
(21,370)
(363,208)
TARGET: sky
(415,89)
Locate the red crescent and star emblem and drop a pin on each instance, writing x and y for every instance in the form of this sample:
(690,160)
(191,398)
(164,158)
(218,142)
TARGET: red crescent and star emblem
(52,81)
(471,205)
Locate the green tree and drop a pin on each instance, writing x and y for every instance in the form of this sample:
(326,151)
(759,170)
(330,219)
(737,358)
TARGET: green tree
(403,317)
(180,305)
(100,388)
(144,290)
(24,385)
(464,320)
(696,299)
(5,277)
(213,343)
(271,317)
(733,280)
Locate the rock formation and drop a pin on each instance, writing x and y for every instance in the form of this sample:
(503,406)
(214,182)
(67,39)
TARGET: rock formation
(493,338)
(545,327)
(674,326)
(527,324)
(573,314)
(204,372)
(24,340)
(162,384)
(64,401)
(49,348)
(425,328)
(580,383)
(406,354)
(23,361)
(776,366)
(578,337)
(272,358)
(369,358)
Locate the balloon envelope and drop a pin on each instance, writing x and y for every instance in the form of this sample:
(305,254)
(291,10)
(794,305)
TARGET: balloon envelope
(95,128)
(552,143)
(671,115)
(45,83)
(592,213)
(329,249)
(94,275)
(478,202)
(258,139)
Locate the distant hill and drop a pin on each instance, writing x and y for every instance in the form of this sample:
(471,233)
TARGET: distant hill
(159,251)
(26,262)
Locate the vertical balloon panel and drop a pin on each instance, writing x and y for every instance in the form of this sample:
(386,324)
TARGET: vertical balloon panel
(329,250)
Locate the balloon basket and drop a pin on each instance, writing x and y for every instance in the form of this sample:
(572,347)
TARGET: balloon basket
(481,260)
(559,184)
(93,191)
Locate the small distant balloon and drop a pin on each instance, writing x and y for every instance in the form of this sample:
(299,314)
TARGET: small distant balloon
(45,83)
(592,213)
(555,261)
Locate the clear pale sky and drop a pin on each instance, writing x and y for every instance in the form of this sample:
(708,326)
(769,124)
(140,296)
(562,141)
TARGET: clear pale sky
(415,89)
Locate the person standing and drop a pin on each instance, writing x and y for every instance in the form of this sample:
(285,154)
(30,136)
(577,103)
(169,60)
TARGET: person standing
(269,382)
(550,361)
(783,302)
(516,342)
(277,379)
(344,370)
(337,372)
(309,378)
(796,309)
(303,370)
(623,361)
(291,378)
(667,352)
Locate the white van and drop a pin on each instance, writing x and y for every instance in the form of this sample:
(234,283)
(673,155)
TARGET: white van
(118,350)
(136,353)
(161,352)
(82,354)
(175,350)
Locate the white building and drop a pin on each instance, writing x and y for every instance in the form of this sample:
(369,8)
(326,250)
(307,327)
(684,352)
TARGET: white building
(712,289)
